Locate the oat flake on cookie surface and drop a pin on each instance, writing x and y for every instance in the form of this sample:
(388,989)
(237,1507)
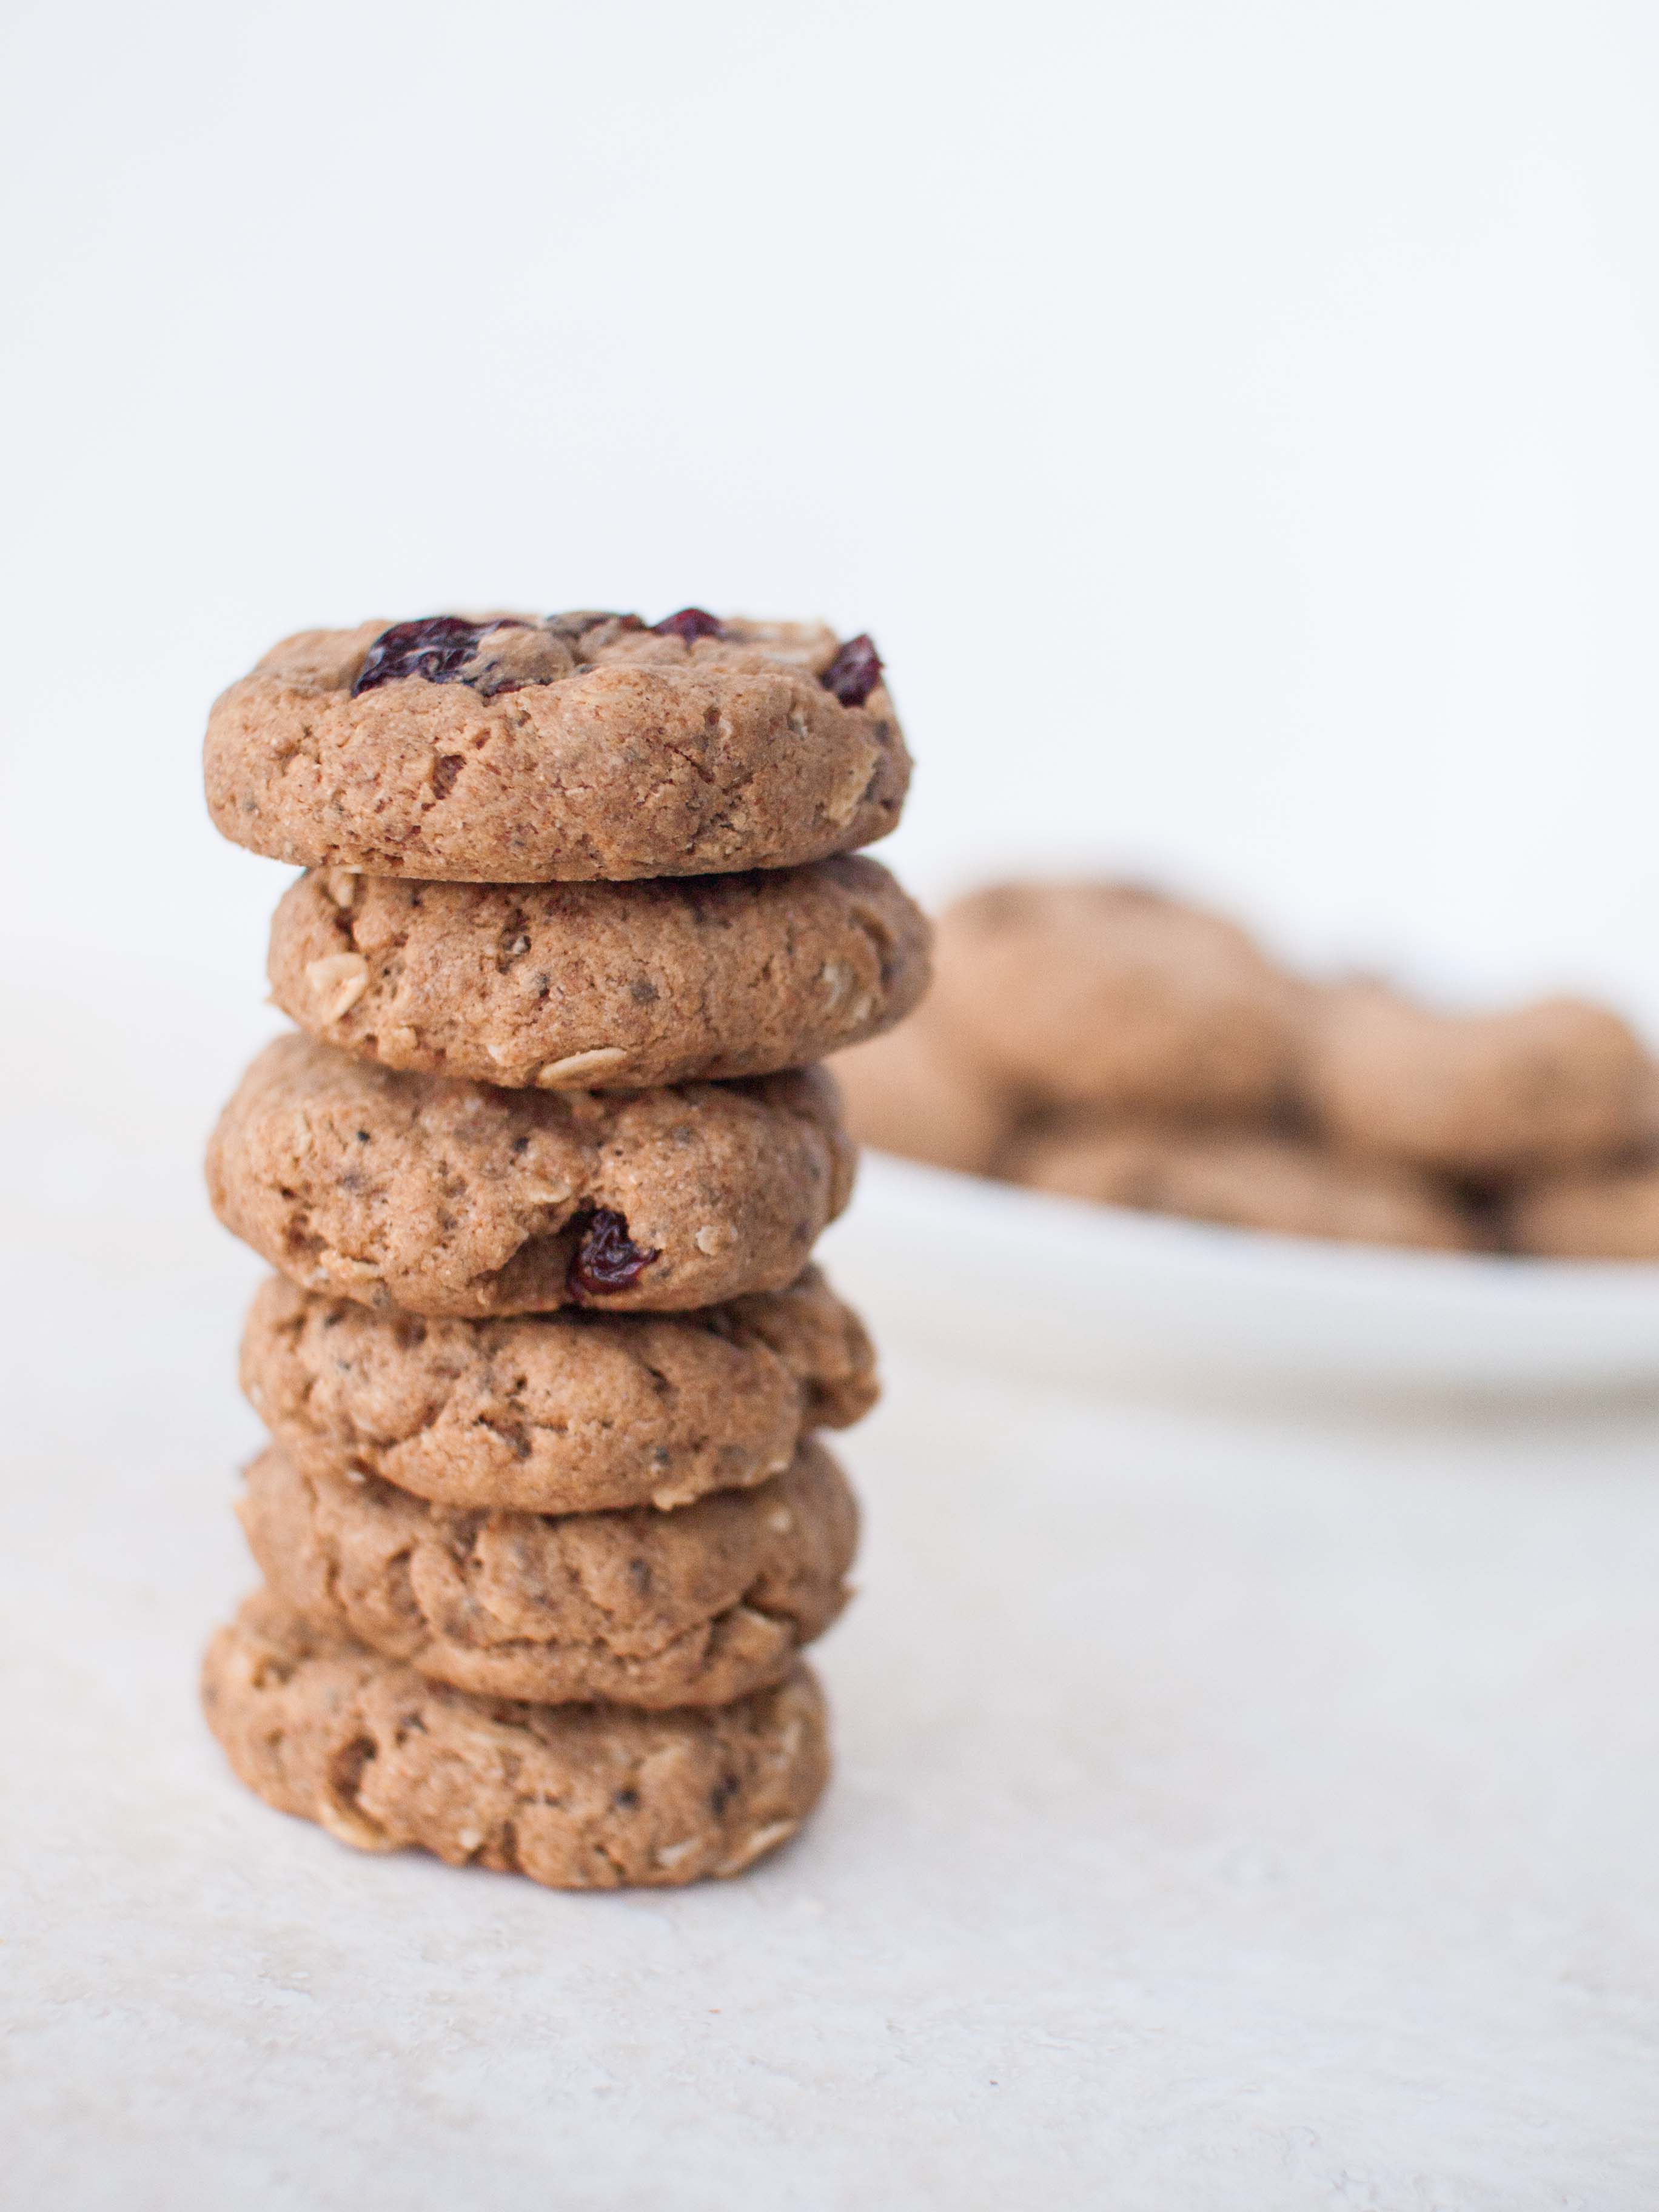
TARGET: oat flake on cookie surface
(569,748)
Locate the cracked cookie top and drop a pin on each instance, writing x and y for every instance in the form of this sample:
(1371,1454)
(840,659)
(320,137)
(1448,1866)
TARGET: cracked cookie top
(566,748)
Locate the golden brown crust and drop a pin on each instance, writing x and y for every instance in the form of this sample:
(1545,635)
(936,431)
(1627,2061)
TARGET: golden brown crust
(644,756)
(1245,1179)
(457,1198)
(600,986)
(637,1607)
(566,1412)
(575,1796)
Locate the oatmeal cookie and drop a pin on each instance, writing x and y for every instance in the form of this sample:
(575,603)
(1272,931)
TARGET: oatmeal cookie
(909,1091)
(575,748)
(1477,1095)
(637,1607)
(613,986)
(1112,996)
(1609,1213)
(1246,1179)
(442,1197)
(566,1412)
(575,1796)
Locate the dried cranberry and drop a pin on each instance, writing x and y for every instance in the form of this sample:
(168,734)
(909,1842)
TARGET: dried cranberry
(436,649)
(607,1258)
(690,622)
(854,672)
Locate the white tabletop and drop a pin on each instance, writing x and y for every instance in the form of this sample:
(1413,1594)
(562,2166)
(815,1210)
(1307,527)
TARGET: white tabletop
(1235,1810)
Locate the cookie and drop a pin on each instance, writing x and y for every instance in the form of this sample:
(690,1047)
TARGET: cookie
(575,1796)
(910,1092)
(1609,1214)
(620,987)
(1112,996)
(457,1198)
(565,1412)
(1245,1179)
(578,748)
(1476,1094)
(636,1609)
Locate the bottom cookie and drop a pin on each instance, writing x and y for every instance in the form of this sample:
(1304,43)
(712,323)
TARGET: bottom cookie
(575,1796)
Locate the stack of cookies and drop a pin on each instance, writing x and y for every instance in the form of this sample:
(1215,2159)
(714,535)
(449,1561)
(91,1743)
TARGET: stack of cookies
(544,1523)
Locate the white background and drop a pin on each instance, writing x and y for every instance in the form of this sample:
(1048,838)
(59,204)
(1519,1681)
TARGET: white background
(1235,423)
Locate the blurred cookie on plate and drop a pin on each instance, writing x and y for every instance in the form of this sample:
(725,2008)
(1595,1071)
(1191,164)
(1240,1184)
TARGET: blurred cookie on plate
(1242,1178)
(1612,1215)
(1112,995)
(911,1091)
(1549,1084)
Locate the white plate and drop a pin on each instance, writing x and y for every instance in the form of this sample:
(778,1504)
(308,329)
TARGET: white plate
(1095,1295)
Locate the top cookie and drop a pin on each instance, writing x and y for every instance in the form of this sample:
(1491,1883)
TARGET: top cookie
(575,748)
